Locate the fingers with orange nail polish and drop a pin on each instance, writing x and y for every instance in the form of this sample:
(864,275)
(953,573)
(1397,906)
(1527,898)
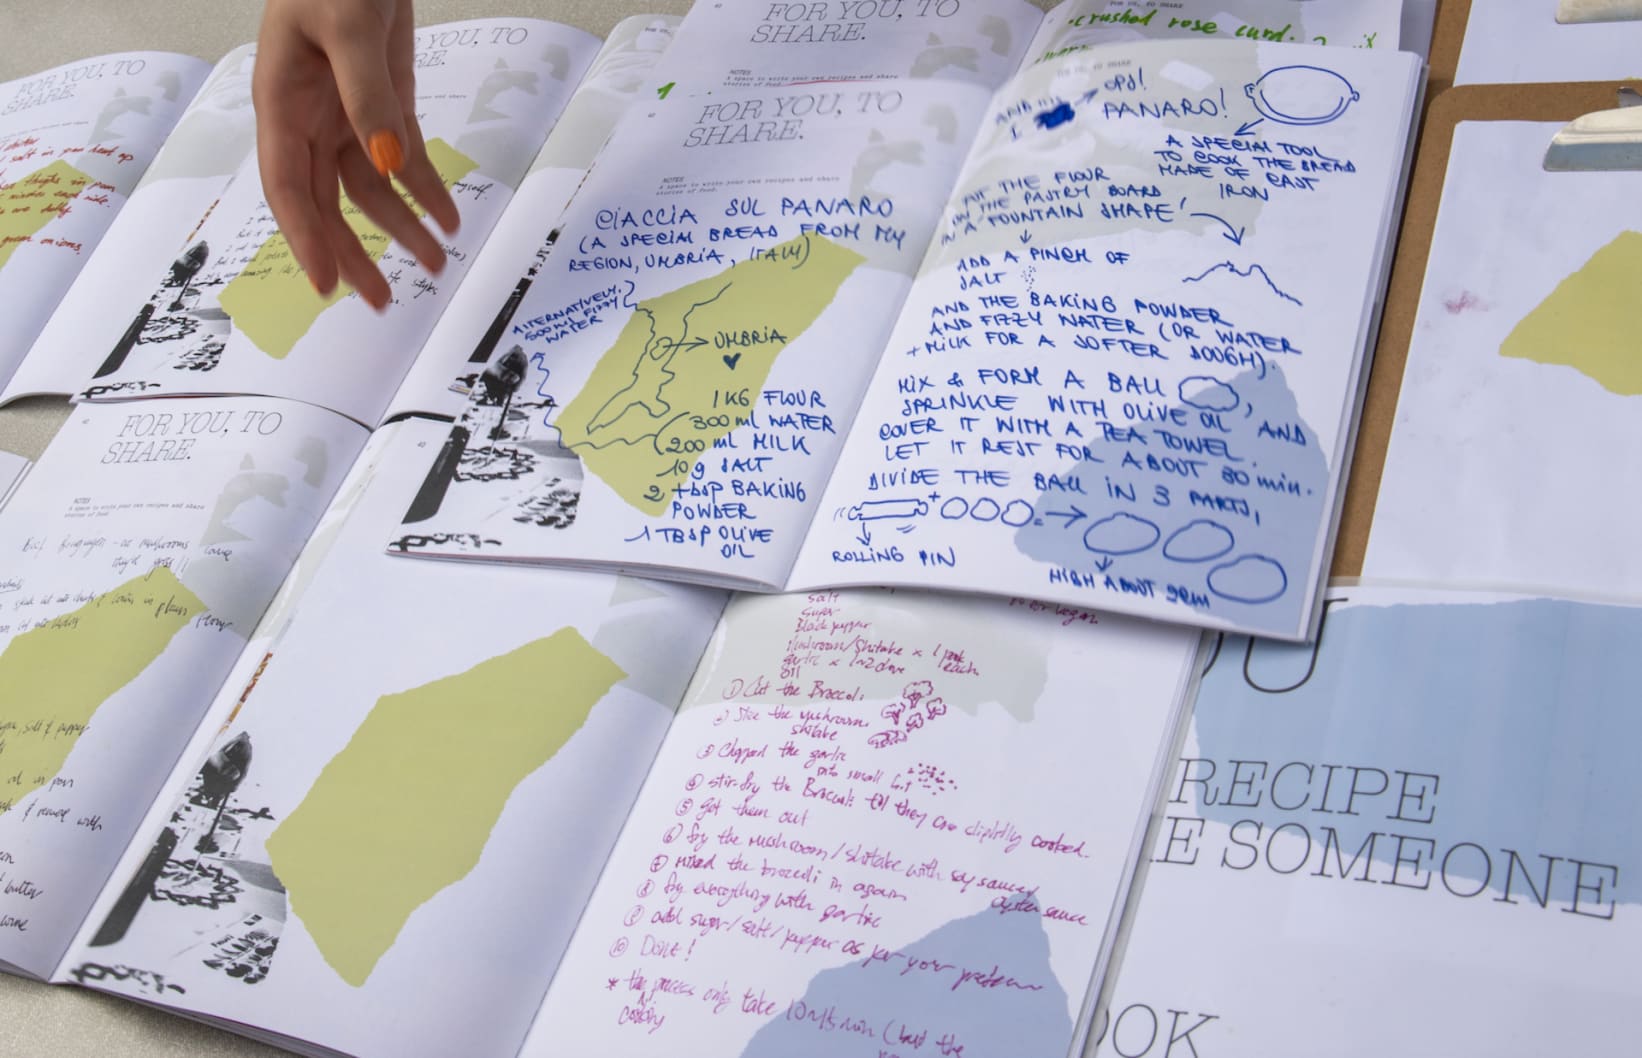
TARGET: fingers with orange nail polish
(387,153)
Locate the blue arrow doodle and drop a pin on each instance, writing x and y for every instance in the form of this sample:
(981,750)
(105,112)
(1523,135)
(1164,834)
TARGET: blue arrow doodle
(1234,234)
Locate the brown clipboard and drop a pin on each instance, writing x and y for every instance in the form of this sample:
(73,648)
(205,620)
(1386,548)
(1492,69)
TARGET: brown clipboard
(1446,105)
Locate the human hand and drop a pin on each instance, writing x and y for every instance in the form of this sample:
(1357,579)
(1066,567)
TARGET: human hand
(334,87)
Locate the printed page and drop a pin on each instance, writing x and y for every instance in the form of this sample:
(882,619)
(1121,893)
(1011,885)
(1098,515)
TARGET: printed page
(440,804)
(111,915)
(73,143)
(824,861)
(1415,838)
(1078,24)
(474,326)
(1521,366)
(139,554)
(759,43)
(235,314)
(1517,41)
(1128,372)
(674,387)
(211,141)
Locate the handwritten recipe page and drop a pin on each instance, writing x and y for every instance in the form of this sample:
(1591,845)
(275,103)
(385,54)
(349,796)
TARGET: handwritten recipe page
(824,861)
(74,141)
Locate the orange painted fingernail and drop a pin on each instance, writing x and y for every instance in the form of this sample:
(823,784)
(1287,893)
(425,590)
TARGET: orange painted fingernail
(386,153)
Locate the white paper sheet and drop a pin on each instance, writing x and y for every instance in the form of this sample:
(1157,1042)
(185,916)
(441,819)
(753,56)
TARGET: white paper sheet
(1515,41)
(1519,401)
(1415,839)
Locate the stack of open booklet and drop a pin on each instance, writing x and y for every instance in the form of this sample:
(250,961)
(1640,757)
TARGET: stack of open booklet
(998,352)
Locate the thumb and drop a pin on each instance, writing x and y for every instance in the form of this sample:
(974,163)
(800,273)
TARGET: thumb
(357,47)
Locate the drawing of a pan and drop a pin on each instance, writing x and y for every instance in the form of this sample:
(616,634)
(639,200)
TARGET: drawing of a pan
(1301,95)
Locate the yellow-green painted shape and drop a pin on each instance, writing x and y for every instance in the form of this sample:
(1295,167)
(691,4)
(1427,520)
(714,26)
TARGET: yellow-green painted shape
(34,201)
(53,678)
(406,807)
(271,301)
(1592,321)
(649,412)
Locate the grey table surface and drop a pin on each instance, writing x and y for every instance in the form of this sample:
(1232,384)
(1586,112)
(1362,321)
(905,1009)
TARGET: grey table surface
(41,1021)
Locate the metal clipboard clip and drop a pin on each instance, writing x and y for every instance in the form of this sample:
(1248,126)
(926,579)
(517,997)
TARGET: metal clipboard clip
(1605,140)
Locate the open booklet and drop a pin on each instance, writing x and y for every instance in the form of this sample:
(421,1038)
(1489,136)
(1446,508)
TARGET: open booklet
(74,142)
(1380,844)
(212,144)
(225,311)
(235,314)
(148,316)
(206,147)
(761,829)
(1097,337)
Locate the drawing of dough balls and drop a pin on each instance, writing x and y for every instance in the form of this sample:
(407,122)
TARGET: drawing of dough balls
(1199,541)
(1301,95)
(1120,534)
(1250,579)
(1207,394)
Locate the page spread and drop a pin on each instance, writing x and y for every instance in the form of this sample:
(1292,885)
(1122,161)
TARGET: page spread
(351,825)
(210,142)
(234,314)
(74,141)
(139,554)
(1134,366)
